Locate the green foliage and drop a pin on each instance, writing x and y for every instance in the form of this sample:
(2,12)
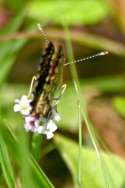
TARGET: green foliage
(69,117)
(36,146)
(94,174)
(17,141)
(16,6)
(71,12)
(31,174)
(119,105)
(9,48)
(6,164)
(19,151)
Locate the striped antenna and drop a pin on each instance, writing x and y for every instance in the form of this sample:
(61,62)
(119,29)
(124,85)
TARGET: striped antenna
(87,58)
(43,32)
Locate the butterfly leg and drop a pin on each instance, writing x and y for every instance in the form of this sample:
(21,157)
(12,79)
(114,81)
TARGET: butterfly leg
(57,99)
(31,86)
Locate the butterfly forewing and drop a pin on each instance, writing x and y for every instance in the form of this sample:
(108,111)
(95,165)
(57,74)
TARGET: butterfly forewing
(48,78)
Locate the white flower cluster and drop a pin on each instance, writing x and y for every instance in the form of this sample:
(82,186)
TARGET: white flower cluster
(32,123)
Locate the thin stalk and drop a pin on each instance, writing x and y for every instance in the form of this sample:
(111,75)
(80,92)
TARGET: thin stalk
(84,38)
(84,109)
(75,81)
(80,140)
(80,148)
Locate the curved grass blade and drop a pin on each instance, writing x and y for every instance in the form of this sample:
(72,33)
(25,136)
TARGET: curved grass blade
(39,176)
(8,48)
(36,175)
(83,105)
(6,164)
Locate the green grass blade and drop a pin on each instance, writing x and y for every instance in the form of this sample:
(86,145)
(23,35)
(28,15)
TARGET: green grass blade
(6,164)
(36,146)
(8,48)
(36,175)
(83,105)
(79,138)
(14,23)
(39,176)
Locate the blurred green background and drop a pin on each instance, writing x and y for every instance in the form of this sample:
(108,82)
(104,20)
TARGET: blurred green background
(83,28)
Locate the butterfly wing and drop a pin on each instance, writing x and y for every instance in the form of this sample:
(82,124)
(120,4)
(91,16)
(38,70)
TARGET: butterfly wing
(42,73)
(57,71)
(47,80)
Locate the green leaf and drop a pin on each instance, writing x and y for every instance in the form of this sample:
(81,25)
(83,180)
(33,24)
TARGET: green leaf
(14,23)
(16,6)
(119,105)
(6,164)
(95,174)
(33,176)
(8,56)
(71,12)
(9,48)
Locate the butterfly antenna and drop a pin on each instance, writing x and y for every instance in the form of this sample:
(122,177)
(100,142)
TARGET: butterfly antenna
(87,58)
(31,86)
(43,32)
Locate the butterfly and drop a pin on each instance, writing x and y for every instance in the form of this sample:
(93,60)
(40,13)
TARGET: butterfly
(39,108)
(48,80)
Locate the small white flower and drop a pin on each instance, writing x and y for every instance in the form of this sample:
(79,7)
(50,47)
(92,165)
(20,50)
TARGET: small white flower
(23,105)
(41,130)
(51,126)
(48,129)
(33,123)
(49,135)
